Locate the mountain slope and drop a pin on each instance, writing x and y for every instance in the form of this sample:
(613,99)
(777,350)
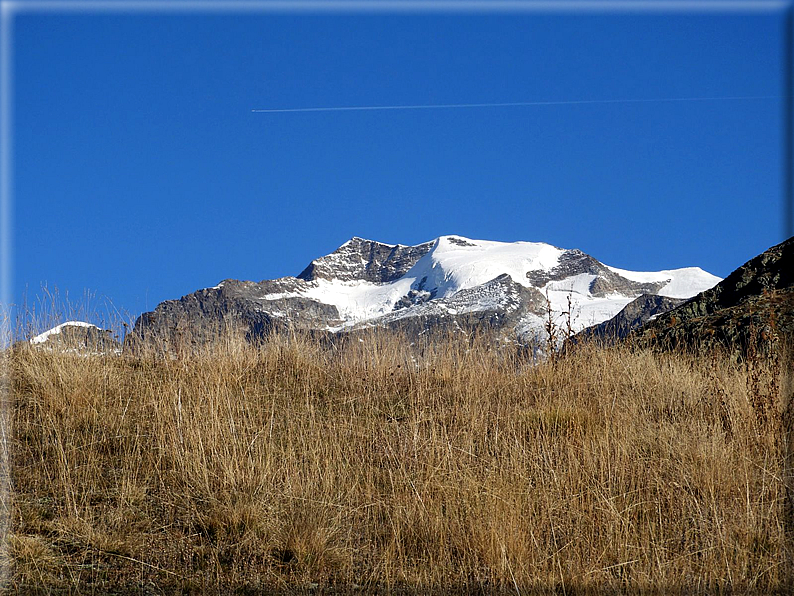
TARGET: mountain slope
(757,298)
(451,282)
(634,315)
(77,337)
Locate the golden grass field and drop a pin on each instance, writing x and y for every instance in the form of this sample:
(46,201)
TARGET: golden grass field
(381,466)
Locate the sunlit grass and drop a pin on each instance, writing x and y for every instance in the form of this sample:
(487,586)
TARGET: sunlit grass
(382,464)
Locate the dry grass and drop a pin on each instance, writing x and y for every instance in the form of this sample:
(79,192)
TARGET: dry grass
(385,466)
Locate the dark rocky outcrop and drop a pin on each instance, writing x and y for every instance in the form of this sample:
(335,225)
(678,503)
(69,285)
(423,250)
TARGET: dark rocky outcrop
(753,304)
(412,298)
(366,260)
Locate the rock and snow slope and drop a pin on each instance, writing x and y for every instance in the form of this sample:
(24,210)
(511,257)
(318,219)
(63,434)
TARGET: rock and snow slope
(77,337)
(47,335)
(449,282)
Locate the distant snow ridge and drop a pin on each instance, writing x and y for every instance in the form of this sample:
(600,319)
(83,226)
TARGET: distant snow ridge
(42,337)
(77,337)
(450,282)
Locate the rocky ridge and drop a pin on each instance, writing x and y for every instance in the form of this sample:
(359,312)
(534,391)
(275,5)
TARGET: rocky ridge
(365,260)
(77,337)
(752,304)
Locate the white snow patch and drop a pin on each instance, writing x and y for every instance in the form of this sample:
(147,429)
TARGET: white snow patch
(281,296)
(585,309)
(359,300)
(681,283)
(456,263)
(688,282)
(41,338)
(576,284)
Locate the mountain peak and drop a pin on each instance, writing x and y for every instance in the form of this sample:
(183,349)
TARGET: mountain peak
(452,280)
(365,260)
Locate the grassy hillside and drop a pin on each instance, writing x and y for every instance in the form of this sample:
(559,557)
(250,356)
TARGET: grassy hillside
(384,465)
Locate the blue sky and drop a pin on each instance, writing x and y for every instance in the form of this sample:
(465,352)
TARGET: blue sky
(141,173)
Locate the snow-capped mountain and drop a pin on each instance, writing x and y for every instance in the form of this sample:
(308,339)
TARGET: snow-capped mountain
(451,282)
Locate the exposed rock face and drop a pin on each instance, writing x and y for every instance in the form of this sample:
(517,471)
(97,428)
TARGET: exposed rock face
(449,283)
(753,303)
(762,322)
(575,262)
(492,306)
(77,337)
(412,298)
(367,260)
(245,306)
(636,314)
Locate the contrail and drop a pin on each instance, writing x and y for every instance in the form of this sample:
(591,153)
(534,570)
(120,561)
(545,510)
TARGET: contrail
(508,105)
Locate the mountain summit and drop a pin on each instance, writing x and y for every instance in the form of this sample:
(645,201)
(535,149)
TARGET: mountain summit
(451,282)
